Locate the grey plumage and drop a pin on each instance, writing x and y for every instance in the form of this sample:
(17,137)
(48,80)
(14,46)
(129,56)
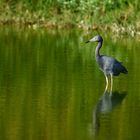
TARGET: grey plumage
(108,65)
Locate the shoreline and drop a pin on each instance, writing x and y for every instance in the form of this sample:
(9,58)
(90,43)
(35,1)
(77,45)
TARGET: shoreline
(118,17)
(131,30)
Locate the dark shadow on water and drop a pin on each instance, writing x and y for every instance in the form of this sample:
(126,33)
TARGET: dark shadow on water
(106,104)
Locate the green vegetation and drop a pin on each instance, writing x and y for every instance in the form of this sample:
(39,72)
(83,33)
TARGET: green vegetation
(114,15)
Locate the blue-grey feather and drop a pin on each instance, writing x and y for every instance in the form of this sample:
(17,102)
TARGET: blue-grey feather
(109,65)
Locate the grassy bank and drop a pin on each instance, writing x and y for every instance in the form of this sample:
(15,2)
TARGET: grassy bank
(115,15)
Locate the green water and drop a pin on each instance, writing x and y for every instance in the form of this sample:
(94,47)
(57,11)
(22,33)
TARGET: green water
(51,87)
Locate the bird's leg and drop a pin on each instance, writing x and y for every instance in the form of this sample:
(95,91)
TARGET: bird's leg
(106,82)
(111,75)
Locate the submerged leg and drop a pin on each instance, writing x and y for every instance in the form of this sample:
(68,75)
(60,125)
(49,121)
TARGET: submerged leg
(106,83)
(111,83)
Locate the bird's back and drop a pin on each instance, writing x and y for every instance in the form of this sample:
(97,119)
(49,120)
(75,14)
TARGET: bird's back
(110,65)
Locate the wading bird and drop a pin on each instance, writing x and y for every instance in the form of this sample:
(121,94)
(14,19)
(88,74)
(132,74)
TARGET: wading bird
(108,65)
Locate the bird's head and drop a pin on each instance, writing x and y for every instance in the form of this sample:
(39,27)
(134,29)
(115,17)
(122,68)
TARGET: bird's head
(96,38)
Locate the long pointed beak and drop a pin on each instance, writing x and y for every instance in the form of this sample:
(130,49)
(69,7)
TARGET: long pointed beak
(87,41)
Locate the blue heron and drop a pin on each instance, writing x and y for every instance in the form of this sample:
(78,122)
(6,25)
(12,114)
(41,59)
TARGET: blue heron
(108,65)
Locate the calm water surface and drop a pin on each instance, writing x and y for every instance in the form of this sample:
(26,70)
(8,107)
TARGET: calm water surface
(51,87)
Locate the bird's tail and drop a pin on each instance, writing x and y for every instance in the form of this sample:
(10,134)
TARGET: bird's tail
(124,70)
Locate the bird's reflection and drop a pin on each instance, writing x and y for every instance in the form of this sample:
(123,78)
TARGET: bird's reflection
(105,105)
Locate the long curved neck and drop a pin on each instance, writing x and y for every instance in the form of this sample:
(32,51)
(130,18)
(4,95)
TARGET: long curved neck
(97,50)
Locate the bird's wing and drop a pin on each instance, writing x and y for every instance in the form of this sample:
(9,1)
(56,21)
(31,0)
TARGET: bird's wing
(118,68)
